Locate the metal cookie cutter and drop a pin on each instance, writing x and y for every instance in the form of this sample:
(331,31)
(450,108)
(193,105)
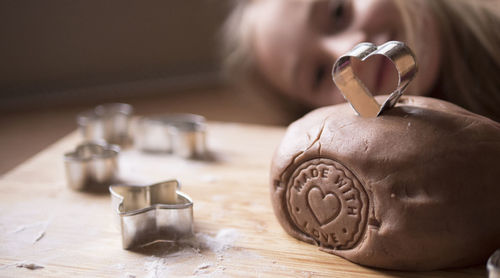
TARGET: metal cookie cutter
(91,165)
(180,134)
(147,214)
(356,93)
(493,265)
(109,122)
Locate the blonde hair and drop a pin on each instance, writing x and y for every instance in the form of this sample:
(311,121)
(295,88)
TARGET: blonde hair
(239,62)
(470,39)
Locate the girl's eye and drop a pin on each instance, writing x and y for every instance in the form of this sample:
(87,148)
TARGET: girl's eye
(338,12)
(339,15)
(319,76)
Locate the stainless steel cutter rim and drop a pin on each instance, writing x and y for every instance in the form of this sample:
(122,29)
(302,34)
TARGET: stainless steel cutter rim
(104,110)
(109,150)
(180,134)
(182,121)
(91,166)
(114,108)
(187,202)
(86,117)
(392,50)
(153,213)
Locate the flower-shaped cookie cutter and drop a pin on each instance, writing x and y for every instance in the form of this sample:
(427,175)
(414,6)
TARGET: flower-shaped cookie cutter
(109,122)
(353,89)
(182,135)
(147,214)
(91,166)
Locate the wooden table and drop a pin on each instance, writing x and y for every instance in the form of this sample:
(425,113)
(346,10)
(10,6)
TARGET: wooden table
(71,234)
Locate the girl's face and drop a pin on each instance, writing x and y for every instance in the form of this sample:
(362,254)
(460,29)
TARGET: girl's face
(298,41)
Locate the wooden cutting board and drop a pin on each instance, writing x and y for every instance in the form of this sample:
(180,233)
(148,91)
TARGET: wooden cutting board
(71,234)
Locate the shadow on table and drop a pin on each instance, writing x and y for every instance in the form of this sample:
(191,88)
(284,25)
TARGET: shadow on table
(475,271)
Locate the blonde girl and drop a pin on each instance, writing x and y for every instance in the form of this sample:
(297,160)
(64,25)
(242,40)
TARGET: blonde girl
(288,47)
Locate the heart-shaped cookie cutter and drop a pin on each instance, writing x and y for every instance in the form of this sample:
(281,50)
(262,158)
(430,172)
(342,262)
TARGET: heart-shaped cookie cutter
(353,89)
(91,166)
(181,134)
(157,212)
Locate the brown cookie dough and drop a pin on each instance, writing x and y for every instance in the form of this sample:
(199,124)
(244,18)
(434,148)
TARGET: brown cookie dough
(417,188)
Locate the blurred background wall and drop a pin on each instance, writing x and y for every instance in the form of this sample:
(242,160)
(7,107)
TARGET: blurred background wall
(54,52)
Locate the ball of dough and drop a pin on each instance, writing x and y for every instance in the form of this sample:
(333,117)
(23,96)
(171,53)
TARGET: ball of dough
(417,188)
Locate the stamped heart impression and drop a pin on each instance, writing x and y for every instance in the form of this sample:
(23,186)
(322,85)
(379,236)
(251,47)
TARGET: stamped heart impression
(353,89)
(327,203)
(325,208)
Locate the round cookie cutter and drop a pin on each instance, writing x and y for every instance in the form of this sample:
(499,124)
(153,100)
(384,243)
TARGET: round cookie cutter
(180,134)
(147,214)
(109,122)
(91,165)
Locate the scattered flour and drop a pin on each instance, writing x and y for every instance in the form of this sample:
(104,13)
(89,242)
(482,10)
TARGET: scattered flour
(223,241)
(41,234)
(156,268)
(29,265)
(42,226)
(209,249)
(221,268)
(120,266)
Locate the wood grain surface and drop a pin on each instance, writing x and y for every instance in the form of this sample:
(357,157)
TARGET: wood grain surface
(71,234)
